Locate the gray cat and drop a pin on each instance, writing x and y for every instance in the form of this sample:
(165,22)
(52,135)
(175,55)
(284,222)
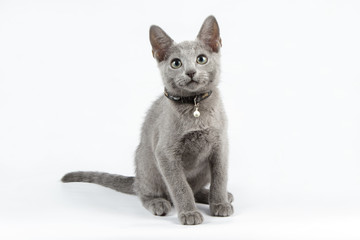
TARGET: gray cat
(183,143)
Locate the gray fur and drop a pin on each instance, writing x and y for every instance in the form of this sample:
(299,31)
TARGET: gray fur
(179,155)
(117,182)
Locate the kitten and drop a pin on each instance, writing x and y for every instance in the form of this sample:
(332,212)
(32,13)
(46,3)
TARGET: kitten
(183,143)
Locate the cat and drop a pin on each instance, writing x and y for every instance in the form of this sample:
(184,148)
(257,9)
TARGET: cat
(183,144)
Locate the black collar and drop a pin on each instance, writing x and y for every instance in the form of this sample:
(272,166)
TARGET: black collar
(190,99)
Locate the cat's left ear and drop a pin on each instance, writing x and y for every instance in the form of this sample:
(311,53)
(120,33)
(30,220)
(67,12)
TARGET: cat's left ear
(160,42)
(210,33)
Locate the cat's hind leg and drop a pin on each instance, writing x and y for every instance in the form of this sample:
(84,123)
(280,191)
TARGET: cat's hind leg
(156,205)
(202,196)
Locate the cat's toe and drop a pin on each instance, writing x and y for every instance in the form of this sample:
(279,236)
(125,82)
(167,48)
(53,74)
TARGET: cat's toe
(221,209)
(230,197)
(160,207)
(191,218)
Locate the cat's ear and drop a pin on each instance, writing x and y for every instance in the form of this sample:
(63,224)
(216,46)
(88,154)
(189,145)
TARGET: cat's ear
(210,33)
(160,42)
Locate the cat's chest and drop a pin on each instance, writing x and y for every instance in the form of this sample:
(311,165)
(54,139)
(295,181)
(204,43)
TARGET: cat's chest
(197,138)
(196,146)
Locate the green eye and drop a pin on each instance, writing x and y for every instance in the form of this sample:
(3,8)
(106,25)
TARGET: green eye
(201,59)
(176,63)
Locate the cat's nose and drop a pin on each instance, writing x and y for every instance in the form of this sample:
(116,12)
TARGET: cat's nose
(191,73)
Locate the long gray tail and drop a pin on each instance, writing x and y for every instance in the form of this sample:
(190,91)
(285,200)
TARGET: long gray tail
(117,182)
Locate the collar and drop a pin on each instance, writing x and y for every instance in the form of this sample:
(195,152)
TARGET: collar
(195,99)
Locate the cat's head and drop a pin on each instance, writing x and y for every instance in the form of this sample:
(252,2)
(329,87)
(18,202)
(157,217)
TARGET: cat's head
(192,66)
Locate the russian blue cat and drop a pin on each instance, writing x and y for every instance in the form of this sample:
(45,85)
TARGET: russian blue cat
(184,144)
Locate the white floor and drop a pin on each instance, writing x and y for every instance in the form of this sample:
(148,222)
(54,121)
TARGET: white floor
(51,210)
(76,78)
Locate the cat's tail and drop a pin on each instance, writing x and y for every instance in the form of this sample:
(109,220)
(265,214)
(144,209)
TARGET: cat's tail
(117,182)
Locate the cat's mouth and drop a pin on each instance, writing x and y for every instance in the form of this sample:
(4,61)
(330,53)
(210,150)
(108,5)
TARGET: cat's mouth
(192,84)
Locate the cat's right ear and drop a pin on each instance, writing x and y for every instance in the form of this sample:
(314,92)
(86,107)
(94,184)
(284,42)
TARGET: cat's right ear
(210,33)
(160,42)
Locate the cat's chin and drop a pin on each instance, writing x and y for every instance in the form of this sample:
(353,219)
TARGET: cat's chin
(192,85)
(192,90)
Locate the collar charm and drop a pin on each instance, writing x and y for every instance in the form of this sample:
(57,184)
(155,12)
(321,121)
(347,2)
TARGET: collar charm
(191,99)
(196,112)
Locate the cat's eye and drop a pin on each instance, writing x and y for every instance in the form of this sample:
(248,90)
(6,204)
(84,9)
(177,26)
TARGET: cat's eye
(201,59)
(176,63)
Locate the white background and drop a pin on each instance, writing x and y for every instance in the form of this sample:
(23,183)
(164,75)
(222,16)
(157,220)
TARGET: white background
(76,79)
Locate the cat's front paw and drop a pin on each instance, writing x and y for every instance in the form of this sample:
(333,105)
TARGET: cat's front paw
(221,209)
(191,218)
